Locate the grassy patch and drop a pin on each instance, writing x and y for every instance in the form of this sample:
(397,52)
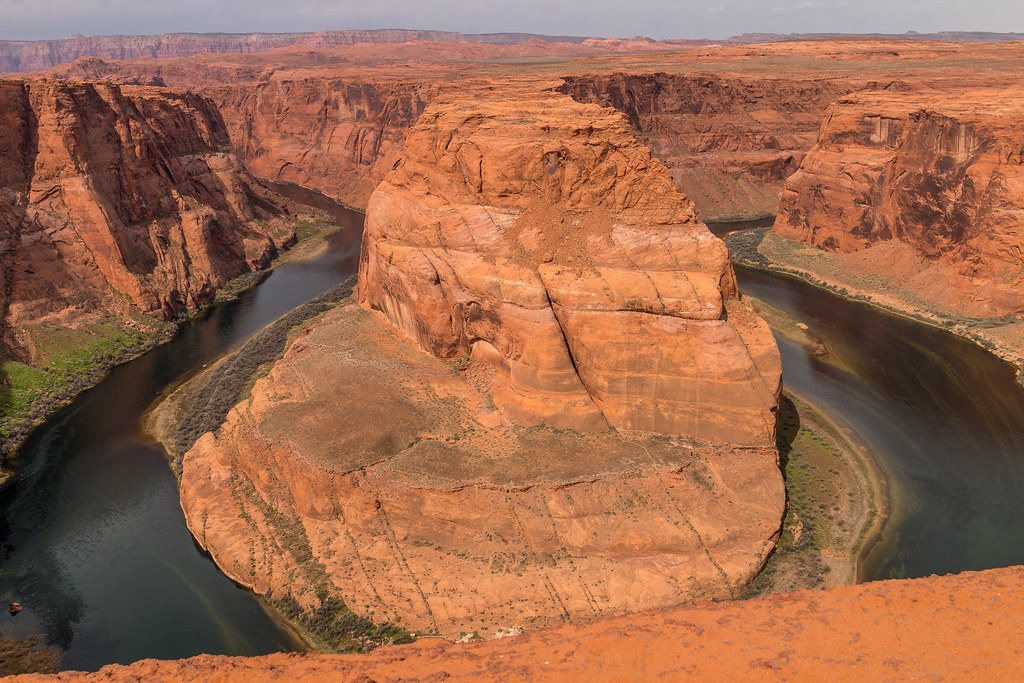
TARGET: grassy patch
(333,624)
(26,657)
(831,504)
(67,360)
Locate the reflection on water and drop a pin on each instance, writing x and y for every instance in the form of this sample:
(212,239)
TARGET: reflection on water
(93,542)
(944,418)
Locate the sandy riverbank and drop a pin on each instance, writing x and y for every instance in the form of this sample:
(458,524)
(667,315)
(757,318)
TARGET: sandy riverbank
(866,278)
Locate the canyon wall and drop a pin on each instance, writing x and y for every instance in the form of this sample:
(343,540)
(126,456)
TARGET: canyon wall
(113,197)
(936,178)
(339,136)
(729,142)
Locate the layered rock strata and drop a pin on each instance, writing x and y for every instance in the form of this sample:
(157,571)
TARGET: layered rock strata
(570,306)
(730,143)
(925,184)
(363,469)
(540,237)
(340,136)
(113,197)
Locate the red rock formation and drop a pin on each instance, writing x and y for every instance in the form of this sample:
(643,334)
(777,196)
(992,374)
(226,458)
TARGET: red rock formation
(112,196)
(538,235)
(363,469)
(532,240)
(966,627)
(339,136)
(729,142)
(938,172)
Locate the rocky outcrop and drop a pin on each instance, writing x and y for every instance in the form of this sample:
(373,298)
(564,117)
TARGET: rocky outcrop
(591,430)
(934,178)
(539,236)
(113,197)
(966,627)
(729,142)
(364,470)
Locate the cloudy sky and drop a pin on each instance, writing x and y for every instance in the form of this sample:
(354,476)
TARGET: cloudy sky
(36,19)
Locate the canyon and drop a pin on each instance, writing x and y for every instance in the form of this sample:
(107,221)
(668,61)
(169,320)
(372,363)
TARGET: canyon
(566,409)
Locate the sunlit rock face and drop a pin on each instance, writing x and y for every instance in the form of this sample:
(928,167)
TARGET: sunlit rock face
(114,196)
(937,172)
(540,236)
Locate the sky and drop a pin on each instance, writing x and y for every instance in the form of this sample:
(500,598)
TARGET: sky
(46,19)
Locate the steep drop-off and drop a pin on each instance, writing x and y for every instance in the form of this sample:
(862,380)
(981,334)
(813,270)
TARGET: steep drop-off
(965,628)
(922,190)
(729,142)
(113,196)
(119,208)
(340,136)
(561,287)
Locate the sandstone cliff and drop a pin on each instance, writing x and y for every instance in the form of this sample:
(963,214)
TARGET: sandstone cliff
(729,142)
(541,237)
(562,288)
(114,197)
(339,136)
(923,188)
(966,627)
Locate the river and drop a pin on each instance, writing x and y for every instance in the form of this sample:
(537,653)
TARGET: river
(942,417)
(95,547)
(94,542)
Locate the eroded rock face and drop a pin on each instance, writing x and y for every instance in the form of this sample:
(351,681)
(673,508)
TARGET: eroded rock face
(116,196)
(729,142)
(940,174)
(340,136)
(539,236)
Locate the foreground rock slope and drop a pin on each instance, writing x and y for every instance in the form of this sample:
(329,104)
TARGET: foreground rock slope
(591,430)
(965,628)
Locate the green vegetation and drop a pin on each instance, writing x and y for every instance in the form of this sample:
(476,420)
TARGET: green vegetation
(26,657)
(334,624)
(67,361)
(832,504)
